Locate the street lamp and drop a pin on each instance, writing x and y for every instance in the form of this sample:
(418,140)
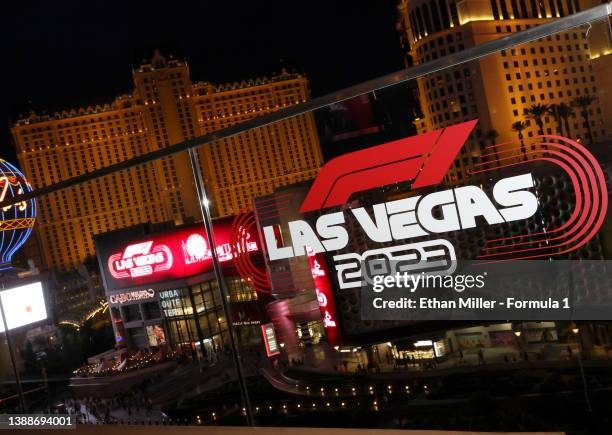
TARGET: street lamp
(518,331)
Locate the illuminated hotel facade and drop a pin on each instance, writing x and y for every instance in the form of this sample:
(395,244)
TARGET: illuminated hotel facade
(165,108)
(499,87)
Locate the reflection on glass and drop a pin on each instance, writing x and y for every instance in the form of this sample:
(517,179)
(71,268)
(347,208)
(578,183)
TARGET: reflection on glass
(130,270)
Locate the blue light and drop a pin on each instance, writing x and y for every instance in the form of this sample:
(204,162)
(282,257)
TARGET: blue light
(16,221)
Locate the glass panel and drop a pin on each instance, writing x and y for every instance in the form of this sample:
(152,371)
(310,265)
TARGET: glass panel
(142,296)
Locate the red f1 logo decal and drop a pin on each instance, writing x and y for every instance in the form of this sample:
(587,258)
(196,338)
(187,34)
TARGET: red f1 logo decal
(424,158)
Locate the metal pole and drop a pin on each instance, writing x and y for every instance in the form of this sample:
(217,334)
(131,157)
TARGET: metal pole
(12,355)
(205,209)
(584,383)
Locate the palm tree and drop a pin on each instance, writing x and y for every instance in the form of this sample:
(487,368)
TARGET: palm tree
(553,110)
(537,112)
(491,135)
(519,126)
(565,111)
(583,102)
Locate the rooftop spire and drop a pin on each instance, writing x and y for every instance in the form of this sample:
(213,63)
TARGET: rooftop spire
(158,60)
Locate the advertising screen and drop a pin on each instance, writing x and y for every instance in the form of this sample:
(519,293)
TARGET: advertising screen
(269,336)
(166,256)
(325,296)
(23,305)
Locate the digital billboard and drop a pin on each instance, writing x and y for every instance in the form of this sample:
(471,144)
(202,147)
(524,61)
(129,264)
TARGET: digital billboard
(165,256)
(269,337)
(23,305)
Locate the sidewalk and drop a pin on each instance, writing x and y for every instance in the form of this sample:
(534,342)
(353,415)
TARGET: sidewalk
(326,360)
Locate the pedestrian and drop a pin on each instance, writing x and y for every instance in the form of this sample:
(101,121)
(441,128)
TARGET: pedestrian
(481,359)
(569,351)
(345,364)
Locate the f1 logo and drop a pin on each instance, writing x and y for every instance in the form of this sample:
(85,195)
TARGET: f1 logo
(424,158)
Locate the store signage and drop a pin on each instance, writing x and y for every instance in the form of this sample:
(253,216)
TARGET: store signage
(246,322)
(171,302)
(423,343)
(424,160)
(439,348)
(269,337)
(164,256)
(140,259)
(133,296)
(325,296)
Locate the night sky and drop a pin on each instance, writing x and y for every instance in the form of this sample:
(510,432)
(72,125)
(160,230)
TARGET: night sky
(63,54)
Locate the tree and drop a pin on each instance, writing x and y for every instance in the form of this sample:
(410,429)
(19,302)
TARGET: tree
(565,111)
(537,112)
(583,102)
(519,126)
(491,135)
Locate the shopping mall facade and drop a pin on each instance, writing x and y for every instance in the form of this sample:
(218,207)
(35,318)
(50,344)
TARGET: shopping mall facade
(162,290)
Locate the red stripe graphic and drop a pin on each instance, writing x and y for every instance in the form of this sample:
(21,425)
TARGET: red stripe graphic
(590,192)
(424,158)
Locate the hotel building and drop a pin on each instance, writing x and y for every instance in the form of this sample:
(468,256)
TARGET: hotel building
(164,108)
(499,87)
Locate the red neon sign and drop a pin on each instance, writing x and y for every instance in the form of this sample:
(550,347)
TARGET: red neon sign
(168,256)
(325,296)
(140,259)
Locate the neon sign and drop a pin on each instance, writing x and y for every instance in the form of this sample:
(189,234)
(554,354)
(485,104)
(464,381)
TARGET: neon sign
(164,256)
(195,249)
(140,259)
(137,295)
(325,296)
(16,221)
